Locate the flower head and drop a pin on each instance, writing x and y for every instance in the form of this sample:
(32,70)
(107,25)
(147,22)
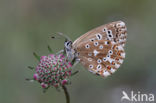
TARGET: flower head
(53,70)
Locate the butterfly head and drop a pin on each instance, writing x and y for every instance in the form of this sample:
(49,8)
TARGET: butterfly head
(68,49)
(68,45)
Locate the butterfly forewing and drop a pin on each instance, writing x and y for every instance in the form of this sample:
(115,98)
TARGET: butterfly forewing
(101,49)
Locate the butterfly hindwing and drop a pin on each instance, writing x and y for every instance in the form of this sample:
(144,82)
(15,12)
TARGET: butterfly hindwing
(101,50)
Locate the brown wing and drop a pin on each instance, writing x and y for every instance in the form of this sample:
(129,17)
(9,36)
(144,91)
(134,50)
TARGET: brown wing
(101,49)
(118,30)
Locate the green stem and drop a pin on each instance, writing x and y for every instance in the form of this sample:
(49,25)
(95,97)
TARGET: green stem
(66,94)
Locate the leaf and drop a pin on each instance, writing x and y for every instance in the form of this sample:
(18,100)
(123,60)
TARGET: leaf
(30,67)
(50,50)
(74,73)
(36,56)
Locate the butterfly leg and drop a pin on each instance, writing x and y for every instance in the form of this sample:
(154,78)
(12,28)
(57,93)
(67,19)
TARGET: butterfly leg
(61,51)
(74,62)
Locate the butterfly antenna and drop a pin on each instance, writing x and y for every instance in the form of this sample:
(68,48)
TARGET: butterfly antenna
(63,35)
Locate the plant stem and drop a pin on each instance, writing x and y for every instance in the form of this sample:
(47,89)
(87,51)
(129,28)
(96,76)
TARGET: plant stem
(66,94)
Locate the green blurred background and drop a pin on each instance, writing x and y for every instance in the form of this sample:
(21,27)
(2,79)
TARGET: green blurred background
(26,26)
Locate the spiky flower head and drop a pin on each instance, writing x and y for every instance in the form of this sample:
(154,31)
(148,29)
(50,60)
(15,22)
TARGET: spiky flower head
(53,70)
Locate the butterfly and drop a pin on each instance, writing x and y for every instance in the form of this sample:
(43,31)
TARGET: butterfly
(101,50)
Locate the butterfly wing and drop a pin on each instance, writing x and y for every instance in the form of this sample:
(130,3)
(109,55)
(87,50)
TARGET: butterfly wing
(101,50)
(118,30)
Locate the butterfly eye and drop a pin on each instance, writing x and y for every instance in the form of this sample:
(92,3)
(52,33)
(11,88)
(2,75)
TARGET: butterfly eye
(69,43)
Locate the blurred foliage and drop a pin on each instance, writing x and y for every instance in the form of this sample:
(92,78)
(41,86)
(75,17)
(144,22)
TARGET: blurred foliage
(26,26)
